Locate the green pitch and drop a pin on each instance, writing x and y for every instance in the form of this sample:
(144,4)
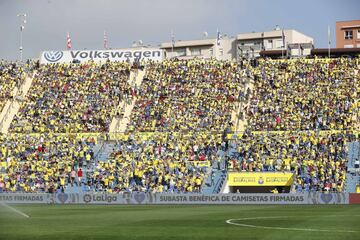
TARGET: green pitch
(180,222)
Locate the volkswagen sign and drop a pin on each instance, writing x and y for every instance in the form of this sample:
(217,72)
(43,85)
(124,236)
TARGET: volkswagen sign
(53,56)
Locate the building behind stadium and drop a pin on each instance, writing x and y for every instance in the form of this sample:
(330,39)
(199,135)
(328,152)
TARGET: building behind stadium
(249,45)
(276,43)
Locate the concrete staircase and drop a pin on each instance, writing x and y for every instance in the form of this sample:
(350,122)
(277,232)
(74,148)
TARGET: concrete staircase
(98,150)
(138,76)
(353,154)
(73,189)
(238,115)
(123,122)
(105,152)
(352,179)
(216,176)
(12,106)
(119,123)
(215,185)
(351,182)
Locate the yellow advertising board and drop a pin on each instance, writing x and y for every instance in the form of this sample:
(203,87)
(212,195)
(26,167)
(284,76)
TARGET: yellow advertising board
(260,179)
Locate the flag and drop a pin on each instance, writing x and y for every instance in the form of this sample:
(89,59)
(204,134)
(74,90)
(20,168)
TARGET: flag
(68,41)
(218,37)
(105,41)
(283,37)
(172,39)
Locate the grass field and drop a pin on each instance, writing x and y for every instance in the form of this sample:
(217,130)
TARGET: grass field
(180,222)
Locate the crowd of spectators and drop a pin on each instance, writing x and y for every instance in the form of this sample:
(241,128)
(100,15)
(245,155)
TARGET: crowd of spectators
(46,163)
(301,115)
(308,97)
(304,94)
(72,98)
(317,158)
(164,163)
(11,76)
(52,163)
(190,95)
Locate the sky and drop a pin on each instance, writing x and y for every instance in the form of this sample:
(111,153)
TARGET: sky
(152,21)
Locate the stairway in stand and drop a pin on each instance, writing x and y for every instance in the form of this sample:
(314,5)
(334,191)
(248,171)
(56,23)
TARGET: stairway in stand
(238,115)
(12,106)
(119,123)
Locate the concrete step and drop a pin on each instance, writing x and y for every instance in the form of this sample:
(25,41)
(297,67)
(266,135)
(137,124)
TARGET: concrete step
(119,124)
(105,152)
(73,189)
(353,155)
(9,114)
(241,123)
(12,107)
(351,182)
(215,185)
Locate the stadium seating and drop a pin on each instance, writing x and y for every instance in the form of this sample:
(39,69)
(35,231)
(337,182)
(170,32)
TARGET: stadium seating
(73,98)
(43,163)
(304,94)
(317,158)
(316,95)
(302,114)
(47,163)
(188,95)
(11,75)
(159,163)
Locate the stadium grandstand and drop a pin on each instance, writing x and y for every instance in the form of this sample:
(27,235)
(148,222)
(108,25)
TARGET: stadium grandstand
(177,126)
(137,120)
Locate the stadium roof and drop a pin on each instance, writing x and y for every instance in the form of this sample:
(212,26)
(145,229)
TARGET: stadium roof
(272,53)
(266,34)
(317,51)
(192,43)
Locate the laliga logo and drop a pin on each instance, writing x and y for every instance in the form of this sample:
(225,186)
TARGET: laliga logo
(53,56)
(87,198)
(99,198)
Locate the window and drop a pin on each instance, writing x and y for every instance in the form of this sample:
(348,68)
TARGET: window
(279,43)
(195,52)
(221,51)
(211,52)
(358,34)
(349,34)
(181,52)
(270,44)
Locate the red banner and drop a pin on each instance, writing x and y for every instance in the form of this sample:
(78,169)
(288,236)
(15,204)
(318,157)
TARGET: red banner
(354,198)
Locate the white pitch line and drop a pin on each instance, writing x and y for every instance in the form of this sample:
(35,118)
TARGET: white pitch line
(15,210)
(229,221)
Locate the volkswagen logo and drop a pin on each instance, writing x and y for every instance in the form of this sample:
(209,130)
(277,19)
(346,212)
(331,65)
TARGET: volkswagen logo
(53,56)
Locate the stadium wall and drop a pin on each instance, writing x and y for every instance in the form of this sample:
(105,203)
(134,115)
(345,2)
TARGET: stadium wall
(176,199)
